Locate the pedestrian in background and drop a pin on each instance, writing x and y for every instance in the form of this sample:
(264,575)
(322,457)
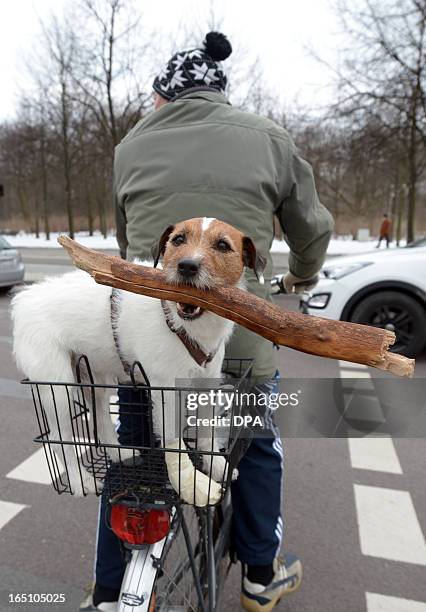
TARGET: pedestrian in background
(385,231)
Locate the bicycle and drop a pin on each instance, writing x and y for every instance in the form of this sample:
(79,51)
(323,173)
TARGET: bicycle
(176,553)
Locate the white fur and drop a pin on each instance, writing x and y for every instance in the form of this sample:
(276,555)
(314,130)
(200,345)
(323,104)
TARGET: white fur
(67,316)
(206,222)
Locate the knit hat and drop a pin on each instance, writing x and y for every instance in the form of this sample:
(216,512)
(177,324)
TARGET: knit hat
(195,69)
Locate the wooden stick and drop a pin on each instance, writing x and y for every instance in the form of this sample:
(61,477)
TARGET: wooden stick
(314,335)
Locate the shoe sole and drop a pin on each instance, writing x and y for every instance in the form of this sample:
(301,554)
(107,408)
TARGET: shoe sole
(250,605)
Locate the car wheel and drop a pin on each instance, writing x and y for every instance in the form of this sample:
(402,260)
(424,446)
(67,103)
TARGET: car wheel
(399,313)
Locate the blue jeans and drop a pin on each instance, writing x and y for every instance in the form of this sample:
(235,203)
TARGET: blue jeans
(256,495)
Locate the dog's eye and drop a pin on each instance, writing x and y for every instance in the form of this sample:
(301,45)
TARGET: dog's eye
(178,240)
(222,245)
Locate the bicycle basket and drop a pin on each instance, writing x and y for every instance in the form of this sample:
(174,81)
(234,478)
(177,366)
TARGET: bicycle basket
(84,455)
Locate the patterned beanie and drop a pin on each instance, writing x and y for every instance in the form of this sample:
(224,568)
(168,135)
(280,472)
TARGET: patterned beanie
(195,69)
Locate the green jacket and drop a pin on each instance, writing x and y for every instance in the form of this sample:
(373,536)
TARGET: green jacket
(200,156)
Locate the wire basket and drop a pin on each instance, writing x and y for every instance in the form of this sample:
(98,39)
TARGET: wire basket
(83,457)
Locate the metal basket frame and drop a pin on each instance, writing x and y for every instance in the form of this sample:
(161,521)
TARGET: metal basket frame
(142,478)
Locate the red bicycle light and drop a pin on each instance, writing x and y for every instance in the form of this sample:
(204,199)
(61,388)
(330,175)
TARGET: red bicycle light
(139,526)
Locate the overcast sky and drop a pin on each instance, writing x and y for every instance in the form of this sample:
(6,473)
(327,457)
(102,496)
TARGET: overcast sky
(279,32)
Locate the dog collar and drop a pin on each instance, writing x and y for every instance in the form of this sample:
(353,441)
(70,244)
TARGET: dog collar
(194,349)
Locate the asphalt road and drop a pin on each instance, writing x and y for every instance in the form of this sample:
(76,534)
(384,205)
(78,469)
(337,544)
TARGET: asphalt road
(40,262)
(355,513)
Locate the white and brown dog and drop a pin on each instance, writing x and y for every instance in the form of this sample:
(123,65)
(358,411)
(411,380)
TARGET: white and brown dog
(64,317)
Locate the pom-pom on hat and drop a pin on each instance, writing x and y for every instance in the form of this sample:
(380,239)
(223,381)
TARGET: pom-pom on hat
(195,69)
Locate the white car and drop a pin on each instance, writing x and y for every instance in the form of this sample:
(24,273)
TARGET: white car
(381,288)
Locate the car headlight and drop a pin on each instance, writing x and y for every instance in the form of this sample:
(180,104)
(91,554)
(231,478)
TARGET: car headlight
(339,270)
(319,300)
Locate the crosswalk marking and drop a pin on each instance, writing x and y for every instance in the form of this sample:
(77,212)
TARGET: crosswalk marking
(8,511)
(12,388)
(34,469)
(376,454)
(387,520)
(384,603)
(388,525)
(350,365)
(354,373)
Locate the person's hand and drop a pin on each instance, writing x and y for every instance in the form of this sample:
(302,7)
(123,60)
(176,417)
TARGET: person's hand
(294,284)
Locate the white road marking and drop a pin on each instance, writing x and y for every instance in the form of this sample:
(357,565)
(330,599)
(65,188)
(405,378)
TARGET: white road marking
(34,469)
(354,373)
(14,389)
(376,454)
(206,222)
(363,408)
(8,511)
(350,364)
(388,525)
(360,406)
(384,603)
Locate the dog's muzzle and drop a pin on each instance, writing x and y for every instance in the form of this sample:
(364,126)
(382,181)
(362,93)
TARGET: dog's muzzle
(188,268)
(188,271)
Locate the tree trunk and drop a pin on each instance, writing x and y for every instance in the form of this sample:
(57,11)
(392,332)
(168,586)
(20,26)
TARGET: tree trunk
(44,184)
(90,219)
(412,168)
(102,217)
(412,179)
(67,169)
(36,217)
(395,200)
(400,208)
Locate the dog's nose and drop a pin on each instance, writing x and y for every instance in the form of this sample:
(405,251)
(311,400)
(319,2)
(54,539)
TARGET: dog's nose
(188,267)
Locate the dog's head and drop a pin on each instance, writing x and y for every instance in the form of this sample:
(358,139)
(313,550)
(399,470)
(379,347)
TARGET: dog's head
(206,253)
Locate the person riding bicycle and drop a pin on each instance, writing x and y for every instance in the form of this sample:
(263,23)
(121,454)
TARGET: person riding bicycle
(195,156)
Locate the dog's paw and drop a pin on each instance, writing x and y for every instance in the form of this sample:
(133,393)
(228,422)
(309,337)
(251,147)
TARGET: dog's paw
(195,488)
(218,468)
(120,454)
(207,491)
(192,486)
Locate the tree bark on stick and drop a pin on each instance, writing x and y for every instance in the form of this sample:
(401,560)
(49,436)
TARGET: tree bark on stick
(313,335)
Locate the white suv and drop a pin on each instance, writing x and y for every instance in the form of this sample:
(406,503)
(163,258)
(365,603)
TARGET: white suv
(382,288)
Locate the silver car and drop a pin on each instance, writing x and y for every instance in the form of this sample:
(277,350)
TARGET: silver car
(12,269)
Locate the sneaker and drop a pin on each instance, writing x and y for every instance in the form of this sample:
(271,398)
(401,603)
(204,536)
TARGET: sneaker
(106,606)
(287,579)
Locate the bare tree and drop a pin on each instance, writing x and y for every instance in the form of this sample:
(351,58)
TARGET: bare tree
(382,77)
(55,83)
(108,70)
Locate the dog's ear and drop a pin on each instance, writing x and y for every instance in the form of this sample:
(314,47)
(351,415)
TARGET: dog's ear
(252,259)
(159,247)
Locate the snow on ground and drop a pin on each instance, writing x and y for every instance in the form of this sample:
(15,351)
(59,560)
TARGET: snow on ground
(338,246)
(343,245)
(97,241)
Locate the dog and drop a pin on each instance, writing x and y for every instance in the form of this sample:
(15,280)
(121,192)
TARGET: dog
(60,318)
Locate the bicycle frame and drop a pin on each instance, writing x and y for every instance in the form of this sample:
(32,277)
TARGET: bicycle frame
(139,579)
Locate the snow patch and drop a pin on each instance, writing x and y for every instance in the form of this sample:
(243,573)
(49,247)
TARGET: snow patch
(97,241)
(338,246)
